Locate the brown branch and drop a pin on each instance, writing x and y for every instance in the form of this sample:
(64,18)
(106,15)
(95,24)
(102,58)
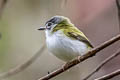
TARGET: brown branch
(102,64)
(82,58)
(118,6)
(23,66)
(118,9)
(110,75)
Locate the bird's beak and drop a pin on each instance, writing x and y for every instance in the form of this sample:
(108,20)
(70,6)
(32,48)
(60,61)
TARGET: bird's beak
(42,28)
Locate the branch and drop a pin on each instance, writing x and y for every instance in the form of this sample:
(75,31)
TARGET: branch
(109,76)
(82,58)
(23,66)
(118,8)
(102,64)
(118,5)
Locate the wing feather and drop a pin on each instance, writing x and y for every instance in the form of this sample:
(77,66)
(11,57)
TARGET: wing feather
(80,38)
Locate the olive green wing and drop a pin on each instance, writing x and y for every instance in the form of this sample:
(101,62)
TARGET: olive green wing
(82,37)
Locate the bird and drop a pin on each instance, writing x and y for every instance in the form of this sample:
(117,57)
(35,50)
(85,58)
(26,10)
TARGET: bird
(64,40)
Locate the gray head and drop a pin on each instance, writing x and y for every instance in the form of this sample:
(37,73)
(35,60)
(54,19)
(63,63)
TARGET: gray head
(51,23)
(55,20)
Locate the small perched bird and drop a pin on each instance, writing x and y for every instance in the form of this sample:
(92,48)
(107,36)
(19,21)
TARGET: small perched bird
(64,40)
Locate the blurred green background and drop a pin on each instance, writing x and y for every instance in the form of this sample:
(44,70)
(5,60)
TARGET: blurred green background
(20,39)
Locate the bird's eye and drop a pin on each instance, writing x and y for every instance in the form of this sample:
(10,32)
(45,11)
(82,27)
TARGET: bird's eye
(49,24)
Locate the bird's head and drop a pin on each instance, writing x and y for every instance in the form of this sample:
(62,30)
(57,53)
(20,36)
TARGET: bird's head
(56,23)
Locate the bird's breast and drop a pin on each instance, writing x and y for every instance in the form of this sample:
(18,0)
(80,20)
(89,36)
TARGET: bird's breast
(64,47)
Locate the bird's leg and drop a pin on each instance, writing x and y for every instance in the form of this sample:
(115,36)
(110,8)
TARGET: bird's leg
(78,58)
(65,66)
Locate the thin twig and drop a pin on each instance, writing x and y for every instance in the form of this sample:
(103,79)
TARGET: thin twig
(110,75)
(118,9)
(23,66)
(82,58)
(118,5)
(102,64)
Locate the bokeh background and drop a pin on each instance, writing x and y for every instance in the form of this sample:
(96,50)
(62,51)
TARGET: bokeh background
(20,40)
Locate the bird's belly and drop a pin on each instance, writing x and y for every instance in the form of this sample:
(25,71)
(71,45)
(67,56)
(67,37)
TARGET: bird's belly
(64,48)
